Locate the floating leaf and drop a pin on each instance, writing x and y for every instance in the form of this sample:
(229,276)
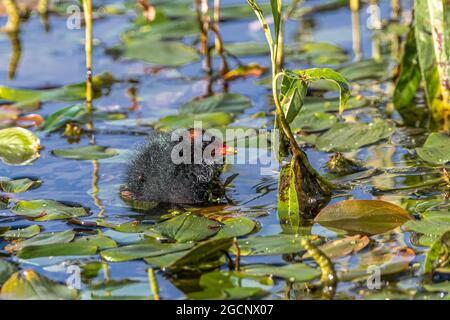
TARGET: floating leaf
(247,48)
(313,122)
(363,216)
(319,53)
(161,53)
(151,248)
(67,93)
(57,249)
(222,102)
(236,227)
(296,272)
(347,136)
(98,240)
(204,254)
(32,286)
(244,71)
(18,146)
(43,239)
(364,70)
(342,247)
(18,185)
(230,285)
(6,270)
(435,150)
(186,227)
(270,245)
(24,233)
(44,210)
(59,118)
(209,120)
(86,153)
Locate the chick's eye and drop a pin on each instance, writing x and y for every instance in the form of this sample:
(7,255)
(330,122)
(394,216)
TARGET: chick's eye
(141,178)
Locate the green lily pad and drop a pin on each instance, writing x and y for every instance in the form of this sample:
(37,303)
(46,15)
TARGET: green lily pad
(204,254)
(161,53)
(33,286)
(344,137)
(44,210)
(296,272)
(138,251)
(236,227)
(18,146)
(24,233)
(436,149)
(57,250)
(222,102)
(98,240)
(186,227)
(6,270)
(43,239)
(320,53)
(313,121)
(18,185)
(364,70)
(209,120)
(85,153)
(363,216)
(243,49)
(231,286)
(270,245)
(72,92)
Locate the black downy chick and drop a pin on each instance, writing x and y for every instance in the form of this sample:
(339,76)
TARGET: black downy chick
(153,176)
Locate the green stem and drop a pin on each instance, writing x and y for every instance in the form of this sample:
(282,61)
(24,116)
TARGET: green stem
(87,8)
(153,283)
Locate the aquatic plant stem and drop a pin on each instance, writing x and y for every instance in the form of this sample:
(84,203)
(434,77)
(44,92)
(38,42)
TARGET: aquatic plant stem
(87,8)
(43,7)
(297,151)
(12,10)
(237,264)
(356,32)
(153,283)
(329,278)
(202,10)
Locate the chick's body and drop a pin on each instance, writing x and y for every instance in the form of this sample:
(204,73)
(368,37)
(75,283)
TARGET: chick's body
(152,174)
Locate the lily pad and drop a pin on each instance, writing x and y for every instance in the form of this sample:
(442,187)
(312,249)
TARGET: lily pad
(152,248)
(313,121)
(247,48)
(98,240)
(222,102)
(296,272)
(236,227)
(364,70)
(363,216)
(44,210)
(209,120)
(161,53)
(43,239)
(270,245)
(186,227)
(347,136)
(204,254)
(57,250)
(85,153)
(18,185)
(32,286)
(6,270)
(436,149)
(18,146)
(24,233)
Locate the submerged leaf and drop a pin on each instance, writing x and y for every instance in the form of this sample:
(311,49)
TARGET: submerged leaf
(363,216)
(18,146)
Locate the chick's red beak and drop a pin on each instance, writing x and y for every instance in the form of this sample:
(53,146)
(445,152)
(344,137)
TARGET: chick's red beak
(226,150)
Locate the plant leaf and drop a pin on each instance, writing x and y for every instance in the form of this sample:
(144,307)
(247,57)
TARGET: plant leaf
(18,146)
(435,149)
(44,210)
(85,153)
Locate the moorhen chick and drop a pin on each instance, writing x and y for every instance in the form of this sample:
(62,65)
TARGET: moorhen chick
(184,171)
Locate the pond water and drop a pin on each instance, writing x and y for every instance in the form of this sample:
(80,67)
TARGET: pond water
(54,58)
